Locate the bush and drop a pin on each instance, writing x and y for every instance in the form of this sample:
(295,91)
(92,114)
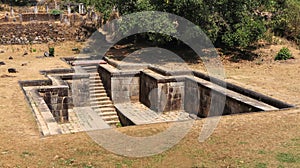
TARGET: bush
(284,54)
(55,12)
(51,52)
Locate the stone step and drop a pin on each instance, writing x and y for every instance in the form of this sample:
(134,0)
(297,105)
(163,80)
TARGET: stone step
(97,106)
(89,67)
(112,122)
(99,98)
(105,102)
(96,84)
(106,110)
(91,71)
(99,91)
(107,114)
(108,118)
(97,88)
(95,78)
(98,95)
(94,74)
(101,105)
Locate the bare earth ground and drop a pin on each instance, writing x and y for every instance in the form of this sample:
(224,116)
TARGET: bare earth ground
(270,139)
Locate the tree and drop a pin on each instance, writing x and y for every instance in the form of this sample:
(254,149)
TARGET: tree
(232,23)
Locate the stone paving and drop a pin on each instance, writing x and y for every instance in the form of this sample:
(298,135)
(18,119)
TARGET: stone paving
(139,114)
(74,124)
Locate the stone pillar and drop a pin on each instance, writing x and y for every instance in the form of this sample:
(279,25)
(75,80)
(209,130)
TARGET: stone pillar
(12,13)
(79,8)
(55,4)
(66,21)
(35,10)
(69,9)
(6,17)
(82,9)
(47,9)
(20,18)
(61,18)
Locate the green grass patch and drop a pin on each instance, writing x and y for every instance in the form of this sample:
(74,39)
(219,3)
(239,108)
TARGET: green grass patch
(158,158)
(243,143)
(126,162)
(261,165)
(262,152)
(287,158)
(26,154)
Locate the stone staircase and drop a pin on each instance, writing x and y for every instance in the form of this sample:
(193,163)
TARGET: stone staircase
(99,100)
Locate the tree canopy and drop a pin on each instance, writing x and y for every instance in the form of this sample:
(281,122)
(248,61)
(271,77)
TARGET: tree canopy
(231,23)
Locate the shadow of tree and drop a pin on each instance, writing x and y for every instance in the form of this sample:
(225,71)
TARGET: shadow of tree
(124,48)
(237,54)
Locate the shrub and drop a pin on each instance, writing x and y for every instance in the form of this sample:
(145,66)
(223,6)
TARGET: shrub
(284,54)
(51,52)
(55,12)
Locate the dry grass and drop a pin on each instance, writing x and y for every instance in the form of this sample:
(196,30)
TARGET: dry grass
(260,140)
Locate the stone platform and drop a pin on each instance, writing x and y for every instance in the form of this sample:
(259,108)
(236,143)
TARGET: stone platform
(139,114)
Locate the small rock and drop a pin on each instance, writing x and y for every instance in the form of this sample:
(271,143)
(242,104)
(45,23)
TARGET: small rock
(46,54)
(2,63)
(24,64)
(12,70)
(2,51)
(75,49)
(4,152)
(56,157)
(11,58)
(25,53)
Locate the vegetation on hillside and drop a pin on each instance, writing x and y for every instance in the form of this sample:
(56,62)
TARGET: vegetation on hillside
(231,23)
(228,23)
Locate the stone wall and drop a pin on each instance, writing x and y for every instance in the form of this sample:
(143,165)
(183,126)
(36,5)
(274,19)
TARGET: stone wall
(161,92)
(57,101)
(198,99)
(120,86)
(43,32)
(171,96)
(125,89)
(161,95)
(38,17)
(149,91)
(81,92)
(106,79)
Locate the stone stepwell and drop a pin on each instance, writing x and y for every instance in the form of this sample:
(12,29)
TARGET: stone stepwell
(98,94)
